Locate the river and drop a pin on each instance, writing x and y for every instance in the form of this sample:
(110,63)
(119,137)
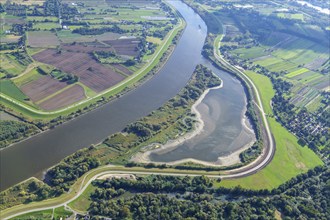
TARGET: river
(35,155)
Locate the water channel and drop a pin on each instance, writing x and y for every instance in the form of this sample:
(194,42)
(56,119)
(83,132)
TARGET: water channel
(33,156)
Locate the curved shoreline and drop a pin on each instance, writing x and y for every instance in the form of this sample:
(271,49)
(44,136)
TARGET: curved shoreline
(227,160)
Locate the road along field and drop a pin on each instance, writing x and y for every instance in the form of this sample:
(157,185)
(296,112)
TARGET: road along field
(117,32)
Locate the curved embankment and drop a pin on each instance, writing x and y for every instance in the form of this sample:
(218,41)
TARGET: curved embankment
(269,149)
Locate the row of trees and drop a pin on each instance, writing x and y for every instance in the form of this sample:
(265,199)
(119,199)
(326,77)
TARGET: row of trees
(97,31)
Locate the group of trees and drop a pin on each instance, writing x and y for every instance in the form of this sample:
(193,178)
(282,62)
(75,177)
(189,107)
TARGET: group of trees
(97,31)
(57,8)
(12,131)
(164,197)
(14,9)
(63,175)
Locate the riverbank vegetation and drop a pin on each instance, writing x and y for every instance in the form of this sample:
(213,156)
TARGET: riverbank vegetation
(13,131)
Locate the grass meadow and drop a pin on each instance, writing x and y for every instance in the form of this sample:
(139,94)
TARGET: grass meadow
(290,158)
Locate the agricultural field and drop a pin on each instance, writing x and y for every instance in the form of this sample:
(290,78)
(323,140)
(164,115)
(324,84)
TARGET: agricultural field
(45,26)
(9,88)
(298,61)
(42,39)
(92,47)
(64,98)
(90,73)
(42,88)
(13,63)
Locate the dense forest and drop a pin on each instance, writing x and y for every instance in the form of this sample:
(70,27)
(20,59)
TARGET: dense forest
(167,197)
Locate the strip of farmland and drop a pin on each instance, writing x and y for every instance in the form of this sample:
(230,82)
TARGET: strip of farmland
(86,48)
(127,47)
(42,88)
(42,39)
(67,97)
(122,69)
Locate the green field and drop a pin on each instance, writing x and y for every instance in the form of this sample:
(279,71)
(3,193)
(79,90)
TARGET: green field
(10,65)
(315,104)
(83,202)
(58,213)
(267,92)
(9,88)
(26,78)
(46,25)
(250,53)
(290,158)
(41,18)
(268,61)
(296,16)
(297,72)
(282,66)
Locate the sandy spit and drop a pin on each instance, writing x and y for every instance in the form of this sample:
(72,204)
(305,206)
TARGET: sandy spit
(233,158)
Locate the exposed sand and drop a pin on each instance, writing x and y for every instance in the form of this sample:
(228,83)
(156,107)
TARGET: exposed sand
(232,158)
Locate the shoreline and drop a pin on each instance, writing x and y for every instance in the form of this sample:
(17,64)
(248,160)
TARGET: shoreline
(232,158)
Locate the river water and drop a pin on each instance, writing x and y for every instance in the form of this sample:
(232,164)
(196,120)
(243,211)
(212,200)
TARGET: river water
(224,131)
(33,156)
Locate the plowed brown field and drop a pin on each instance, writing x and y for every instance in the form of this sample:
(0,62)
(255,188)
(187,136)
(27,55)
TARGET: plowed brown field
(65,98)
(91,73)
(41,88)
(127,47)
(122,69)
